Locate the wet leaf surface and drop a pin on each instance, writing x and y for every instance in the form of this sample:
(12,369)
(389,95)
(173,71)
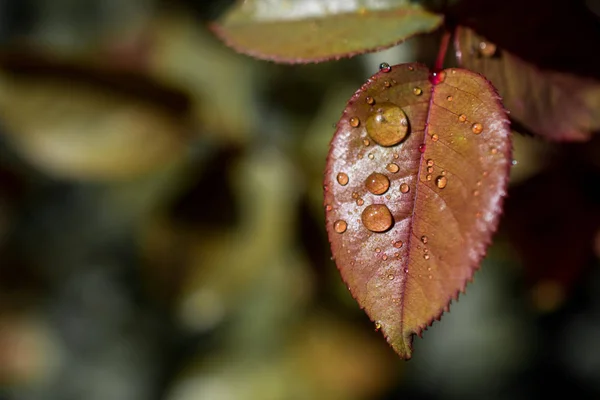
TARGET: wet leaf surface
(554,104)
(318,30)
(414,184)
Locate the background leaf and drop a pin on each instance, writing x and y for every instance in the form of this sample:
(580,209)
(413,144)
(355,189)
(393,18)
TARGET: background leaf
(414,183)
(318,30)
(556,105)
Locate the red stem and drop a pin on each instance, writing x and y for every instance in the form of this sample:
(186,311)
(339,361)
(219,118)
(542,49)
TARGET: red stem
(439,62)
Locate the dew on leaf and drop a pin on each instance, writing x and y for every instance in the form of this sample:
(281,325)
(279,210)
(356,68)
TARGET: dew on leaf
(430,169)
(428,177)
(477,128)
(422,148)
(384,257)
(487,49)
(462,117)
(366,142)
(441,181)
(398,244)
(426,256)
(387,84)
(494,150)
(391,277)
(377,325)
(377,250)
(449,98)
(377,183)
(424,239)
(340,226)
(430,162)
(435,137)
(342,178)
(354,122)
(371,156)
(475,193)
(370,100)
(360,202)
(417,91)
(404,188)
(377,218)
(385,67)
(392,167)
(328,207)
(388,126)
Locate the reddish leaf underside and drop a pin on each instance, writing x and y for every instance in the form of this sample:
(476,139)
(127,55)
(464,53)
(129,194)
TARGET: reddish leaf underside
(556,105)
(319,30)
(407,240)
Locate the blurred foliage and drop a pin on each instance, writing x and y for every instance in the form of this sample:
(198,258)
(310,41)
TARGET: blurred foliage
(162,237)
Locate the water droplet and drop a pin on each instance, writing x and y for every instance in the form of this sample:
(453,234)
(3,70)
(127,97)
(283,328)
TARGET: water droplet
(514,162)
(388,126)
(449,98)
(462,117)
(326,188)
(441,181)
(384,257)
(391,277)
(417,91)
(424,239)
(385,67)
(340,226)
(404,188)
(426,256)
(494,150)
(430,162)
(377,218)
(360,202)
(430,170)
(342,178)
(387,84)
(328,207)
(435,137)
(406,270)
(437,77)
(377,183)
(422,148)
(370,100)
(477,128)
(371,156)
(428,177)
(444,172)
(366,142)
(397,255)
(354,122)
(377,250)
(475,193)
(485,174)
(487,49)
(398,244)
(411,68)
(377,325)
(396,156)
(392,167)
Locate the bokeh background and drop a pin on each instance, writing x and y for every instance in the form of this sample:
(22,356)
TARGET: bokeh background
(162,231)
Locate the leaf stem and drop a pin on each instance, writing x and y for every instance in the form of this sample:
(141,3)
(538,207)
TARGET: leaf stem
(439,62)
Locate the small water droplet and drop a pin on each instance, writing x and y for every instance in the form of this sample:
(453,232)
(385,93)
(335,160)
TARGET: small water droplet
(340,226)
(494,150)
(396,156)
(326,188)
(428,177)
(430,170)
(377,325)
(487,49)
(449,98)
(514,162)
(388,125)
(417,91)
(437,77)
(360,202)
(377,183)
(404,188)
(354,122)
(398,244)
(342,178)
(444,172)
(411,68)
(385,67)
(377,250)
(475,193)
(392,167)
(354,195)
(391,277)
(424,239)
(387,84)
(377,218)
(370,100)
(406,270)
(441,181)
(477,128)
(384,257)
(430,162)
(462,117)
(435,137)
(422,148)
(371,156)
(485,174)
(328,207)
(366,142)
(430,276)
(426,256)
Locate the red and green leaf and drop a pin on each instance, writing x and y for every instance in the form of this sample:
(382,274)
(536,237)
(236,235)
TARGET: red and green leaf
(414,185)
(320,30)
(554,104)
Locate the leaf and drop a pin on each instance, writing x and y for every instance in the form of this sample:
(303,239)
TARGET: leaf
(409,238)
(554,104)
(319,30)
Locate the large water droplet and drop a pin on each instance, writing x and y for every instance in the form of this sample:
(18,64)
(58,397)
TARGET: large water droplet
(377,183)
(377,218)
(477,128)
(340,226)
(392,167)
(388,126)
(342,178)
(354,122)
(404,188)
(385,67)
(441,181)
